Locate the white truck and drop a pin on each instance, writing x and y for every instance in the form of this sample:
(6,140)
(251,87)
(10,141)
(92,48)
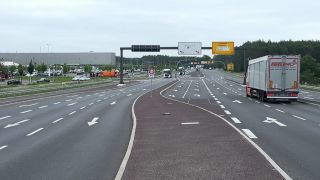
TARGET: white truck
(167,73)
(274,77)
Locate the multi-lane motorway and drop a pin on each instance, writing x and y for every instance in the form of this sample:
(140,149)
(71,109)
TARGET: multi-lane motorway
(79,135)
(288,132)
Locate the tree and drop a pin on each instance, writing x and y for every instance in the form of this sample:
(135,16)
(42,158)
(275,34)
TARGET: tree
(30,67)
(65,69)
(12,69)
(20,69)
(87,69)
(42,67)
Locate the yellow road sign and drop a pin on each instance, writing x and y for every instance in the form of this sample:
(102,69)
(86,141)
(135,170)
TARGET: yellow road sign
(223,48)
(230,67)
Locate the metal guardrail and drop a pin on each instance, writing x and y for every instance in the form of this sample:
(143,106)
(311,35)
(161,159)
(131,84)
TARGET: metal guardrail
(31,89)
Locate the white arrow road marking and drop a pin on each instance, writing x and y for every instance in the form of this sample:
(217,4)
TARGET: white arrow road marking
(26,111)
(93,121)
(72,112)
(235,120)
(299,117)
(57,103)
(83,107)
(16,124)
(237,101)
(57,120)
(227,112)
(198,95)
(189,123)
(113,103)
(72,104)
(5,117)
(41,107)
(249,133)
(129,95)
(27,105)
(32,133)
(272,120)
(2,147)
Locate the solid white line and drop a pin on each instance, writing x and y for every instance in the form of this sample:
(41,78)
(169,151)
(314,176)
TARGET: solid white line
(187,90)
(43,106)
(4,117)
(83,107)
(2,147)
(222,106)
(30,134)
(68,100)
(249,133)
(266,105)
(27,105)
(26,111)
(235,120)
(227,112)
(72,112)
(57,103)
(130,145)
(57,120)
(189,123)
(279,110)
(299,117)
(72,104)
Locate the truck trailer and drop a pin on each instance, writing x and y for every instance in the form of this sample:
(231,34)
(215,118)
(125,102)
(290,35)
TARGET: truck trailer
(274,77)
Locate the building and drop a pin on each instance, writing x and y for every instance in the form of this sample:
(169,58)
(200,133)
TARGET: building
(82,58)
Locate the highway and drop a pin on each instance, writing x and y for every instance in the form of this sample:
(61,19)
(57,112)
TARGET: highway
(288,132)
(78,135)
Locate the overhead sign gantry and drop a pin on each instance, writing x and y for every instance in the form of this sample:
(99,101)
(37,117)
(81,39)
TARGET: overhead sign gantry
(184,48)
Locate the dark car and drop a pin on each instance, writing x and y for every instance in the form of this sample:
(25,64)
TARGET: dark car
(43,80)
(13,81)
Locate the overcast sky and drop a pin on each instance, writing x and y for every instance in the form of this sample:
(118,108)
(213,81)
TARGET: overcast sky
(105,25)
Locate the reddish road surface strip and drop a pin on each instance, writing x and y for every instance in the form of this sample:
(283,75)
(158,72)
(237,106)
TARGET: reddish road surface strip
(178,141)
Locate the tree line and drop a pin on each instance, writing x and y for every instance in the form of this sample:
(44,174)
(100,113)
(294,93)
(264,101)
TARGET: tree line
(309,51)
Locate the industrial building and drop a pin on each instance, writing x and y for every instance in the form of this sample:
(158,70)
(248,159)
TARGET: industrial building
(82,58)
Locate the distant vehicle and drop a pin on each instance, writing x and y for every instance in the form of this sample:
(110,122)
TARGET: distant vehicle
(80,78)
(31,75)
(181,71)
(43,80)
(274,77)
(167,73)
(112,73)
(13,81)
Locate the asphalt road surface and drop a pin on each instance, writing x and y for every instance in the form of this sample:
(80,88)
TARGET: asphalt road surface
(79,135)
(288,132)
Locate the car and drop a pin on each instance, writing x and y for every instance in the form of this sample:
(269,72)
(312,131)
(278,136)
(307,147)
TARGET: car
(76,78)
(84,78)
(13,81)
(43,80)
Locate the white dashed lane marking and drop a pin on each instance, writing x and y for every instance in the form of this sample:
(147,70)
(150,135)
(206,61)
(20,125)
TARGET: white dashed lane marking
(5,117)
(57,103)
(299,117)
(235,120)
(41,107)
(2,147)
(280,110)
(23,112)
(72,112)
(249,133)
(32,133)
(227,112)
(57,120)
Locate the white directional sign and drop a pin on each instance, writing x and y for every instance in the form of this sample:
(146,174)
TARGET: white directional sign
(93,121)
(272,120)
(189,48)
